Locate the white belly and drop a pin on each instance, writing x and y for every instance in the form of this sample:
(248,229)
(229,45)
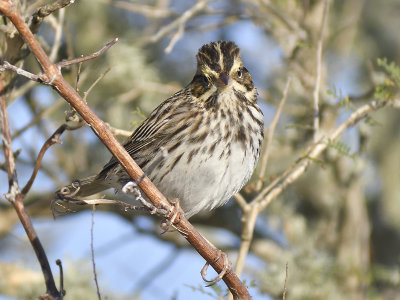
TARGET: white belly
(210,181)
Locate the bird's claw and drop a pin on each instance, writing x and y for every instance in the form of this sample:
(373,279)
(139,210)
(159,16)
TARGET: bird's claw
(227,268)
(173,216)
(131,188)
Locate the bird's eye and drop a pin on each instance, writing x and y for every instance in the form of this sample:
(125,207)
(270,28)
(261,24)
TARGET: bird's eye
(240,72)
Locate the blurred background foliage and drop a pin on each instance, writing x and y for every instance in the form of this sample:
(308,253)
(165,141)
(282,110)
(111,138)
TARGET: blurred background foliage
(338,226)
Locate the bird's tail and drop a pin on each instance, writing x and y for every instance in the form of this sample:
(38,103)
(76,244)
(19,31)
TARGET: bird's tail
(84,187)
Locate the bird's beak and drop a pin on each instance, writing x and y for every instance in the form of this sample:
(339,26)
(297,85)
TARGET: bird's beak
(224,78)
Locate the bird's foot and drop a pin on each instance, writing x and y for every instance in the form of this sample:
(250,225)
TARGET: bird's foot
(173,215)
(227,268)
(70,190)
(131,188)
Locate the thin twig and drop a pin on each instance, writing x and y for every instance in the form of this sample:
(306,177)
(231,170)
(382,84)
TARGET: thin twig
(319,71)
(85,94)
(199,6)
(57,35)
(62,291)
(175,38)
(78,75)
(21,90)
(92,251)
(294,171)
(3,166)
(240,201)
(279,178)
(7,29)
(361,113)
(45,11)
(120,132)
(285,284)
(212,26)
(7,146)
(286,20)
(39,117)
(248,223)
(65,63)
(7,66)
(248,220)
(311,150)
(270,135)
(49,142)
(145,10)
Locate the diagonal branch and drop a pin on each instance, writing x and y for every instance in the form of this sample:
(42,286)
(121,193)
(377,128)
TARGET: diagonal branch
(65,63)
(291,174)
(53,77)
(301,165)
(178,23)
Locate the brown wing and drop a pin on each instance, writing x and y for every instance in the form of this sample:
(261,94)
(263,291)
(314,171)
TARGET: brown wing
(154,131)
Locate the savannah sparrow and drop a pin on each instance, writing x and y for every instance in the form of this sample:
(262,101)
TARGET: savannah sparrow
(212,131)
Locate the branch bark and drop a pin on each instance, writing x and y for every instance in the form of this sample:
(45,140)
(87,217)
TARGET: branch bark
(52,76)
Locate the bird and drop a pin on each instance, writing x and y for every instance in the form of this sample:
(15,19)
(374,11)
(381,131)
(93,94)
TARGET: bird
(201,145)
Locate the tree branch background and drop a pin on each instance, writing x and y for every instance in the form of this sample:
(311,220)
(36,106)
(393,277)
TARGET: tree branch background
(337,225)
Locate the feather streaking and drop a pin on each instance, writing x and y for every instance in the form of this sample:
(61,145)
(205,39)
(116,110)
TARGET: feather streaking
(212,130)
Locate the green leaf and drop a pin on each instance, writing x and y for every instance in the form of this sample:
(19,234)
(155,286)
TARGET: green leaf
(341,148)
(391,69)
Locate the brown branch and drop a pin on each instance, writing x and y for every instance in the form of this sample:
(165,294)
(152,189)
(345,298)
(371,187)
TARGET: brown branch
(17,199)
(37,247)
(65,63)
(50,141)
(7,66)
(46,10)
(56,80)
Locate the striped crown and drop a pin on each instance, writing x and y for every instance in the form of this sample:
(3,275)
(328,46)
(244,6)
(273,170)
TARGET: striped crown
(218,56)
